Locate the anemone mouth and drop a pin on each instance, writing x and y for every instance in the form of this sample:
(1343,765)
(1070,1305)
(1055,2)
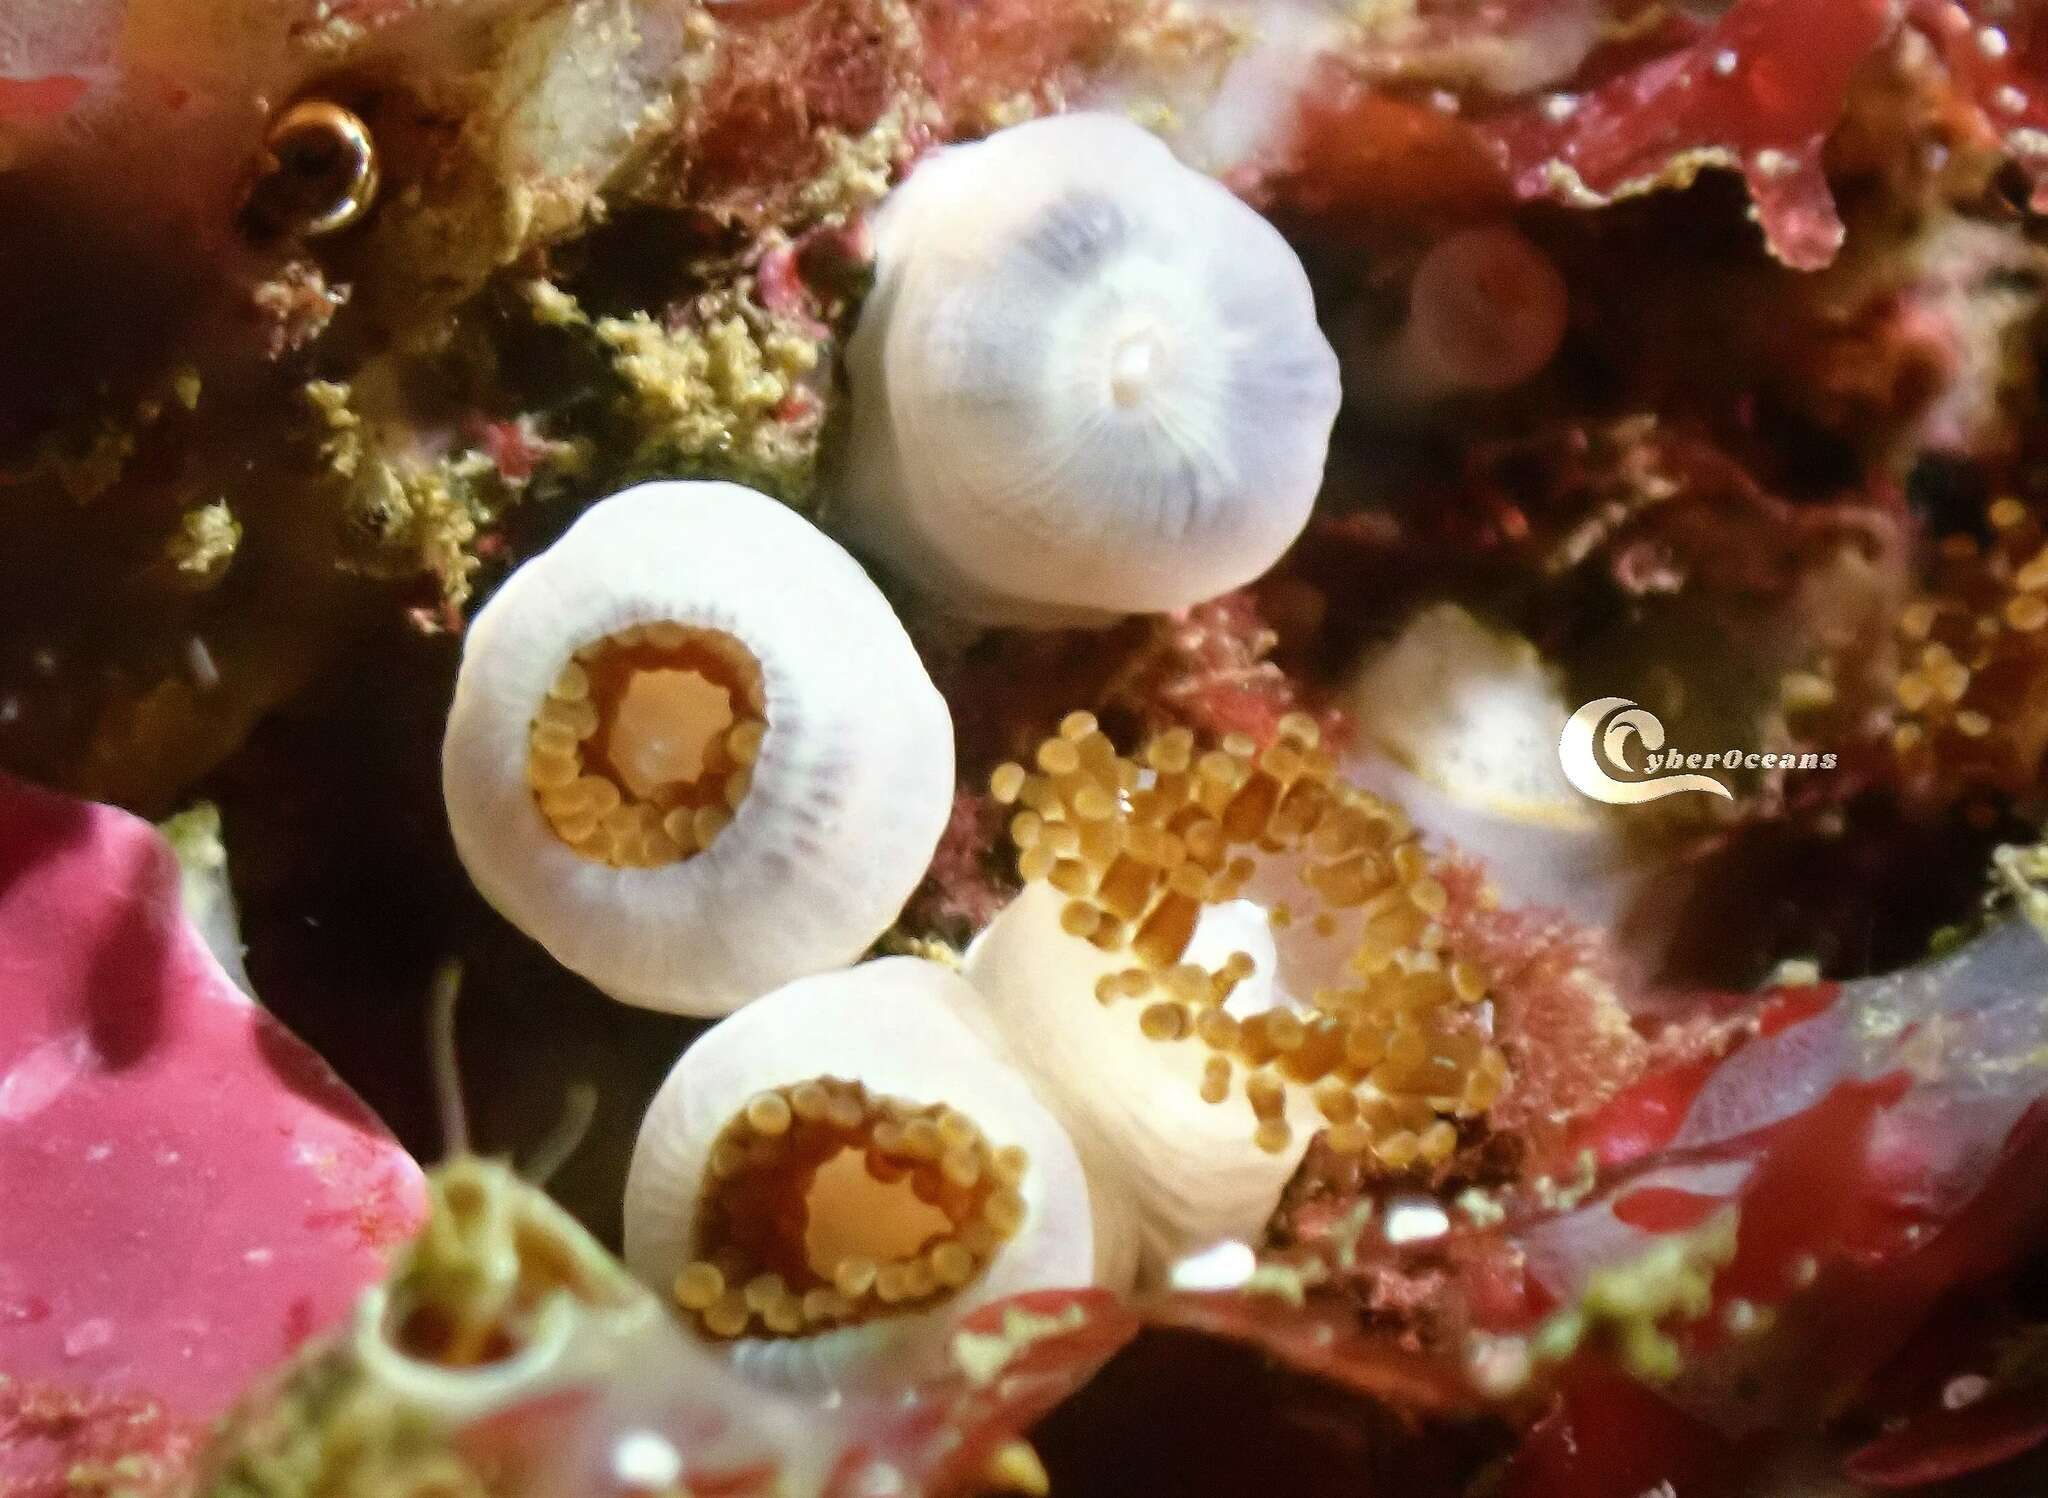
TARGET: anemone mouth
(644,747)
(1387,1030)
(1139,362)
(825,1205)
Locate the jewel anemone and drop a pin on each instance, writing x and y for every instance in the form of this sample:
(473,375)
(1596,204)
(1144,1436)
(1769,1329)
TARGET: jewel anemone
(831,1178)
(1459,722)
(1088,381)
(1217,954)
(692,751)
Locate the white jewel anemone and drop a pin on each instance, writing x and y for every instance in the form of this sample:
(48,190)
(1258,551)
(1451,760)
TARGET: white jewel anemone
(1216,955)
(833,1177)
(1190,1169)
(692,751)
(1088,380)
(1459,722)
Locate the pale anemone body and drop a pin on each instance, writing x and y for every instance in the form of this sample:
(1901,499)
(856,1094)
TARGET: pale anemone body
(780,1223)
(1459,722)
(1088,381)
(775,765)
(1214,957)
(1474,713)
(1184,1172)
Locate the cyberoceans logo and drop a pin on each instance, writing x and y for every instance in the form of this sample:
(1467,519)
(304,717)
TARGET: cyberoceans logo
(1594,752)
(1595,742)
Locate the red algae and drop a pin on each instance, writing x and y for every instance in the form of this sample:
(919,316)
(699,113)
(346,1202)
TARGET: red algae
(1997,58)
(954,1432)
(984,56)
(1327,1343)
(1209,668)
(786,85)
(207,1192)
(1607,1436)
(40,98)
(1560,1019)
(1966,1394)
(1017,1359)
(966,885)
(1360,158)
(1759,92)
(1952,1443)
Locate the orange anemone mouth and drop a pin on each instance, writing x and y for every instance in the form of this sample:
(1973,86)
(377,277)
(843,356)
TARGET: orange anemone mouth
(825,1205)
(643,749)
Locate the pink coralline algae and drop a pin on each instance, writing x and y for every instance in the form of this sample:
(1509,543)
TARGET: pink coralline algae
(190,1191)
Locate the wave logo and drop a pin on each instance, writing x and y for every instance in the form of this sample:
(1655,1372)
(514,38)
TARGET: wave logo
(1594,747)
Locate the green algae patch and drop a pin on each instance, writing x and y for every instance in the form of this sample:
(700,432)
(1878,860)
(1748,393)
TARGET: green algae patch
(1633,1302)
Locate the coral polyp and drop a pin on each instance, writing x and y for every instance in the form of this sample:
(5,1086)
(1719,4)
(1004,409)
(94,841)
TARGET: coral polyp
(1219,952)
(1089,380)
(1486,311)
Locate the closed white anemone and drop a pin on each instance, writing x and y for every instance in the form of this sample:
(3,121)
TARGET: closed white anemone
(1460,721)
(1088,380)
(1215,955)
(831,1178)
(692,751)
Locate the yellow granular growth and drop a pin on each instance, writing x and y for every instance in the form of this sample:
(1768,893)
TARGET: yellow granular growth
(644,748)
(1391,1051)
(1972,709)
